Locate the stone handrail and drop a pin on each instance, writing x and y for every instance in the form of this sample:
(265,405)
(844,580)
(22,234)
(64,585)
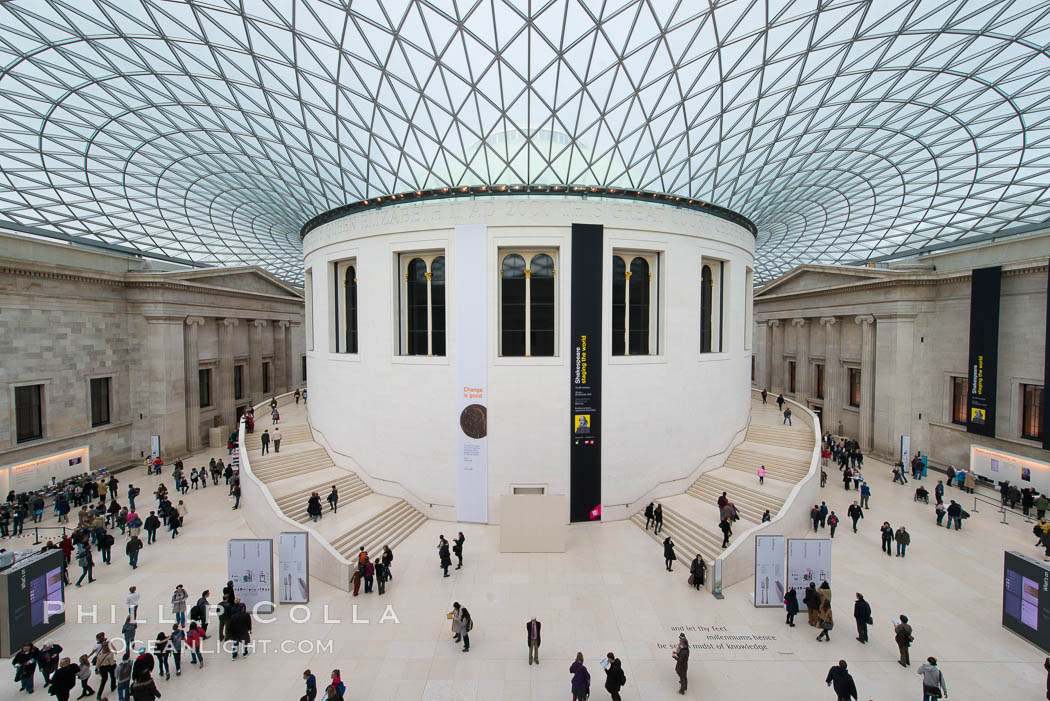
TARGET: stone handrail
(265,518)
(737,562)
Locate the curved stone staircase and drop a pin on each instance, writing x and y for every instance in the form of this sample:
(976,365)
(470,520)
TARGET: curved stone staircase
(691,519)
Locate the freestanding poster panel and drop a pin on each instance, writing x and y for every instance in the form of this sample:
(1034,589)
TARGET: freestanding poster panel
(985,286)
(249,562)
(769,571)
(32,600)
(293,566)
(808,560)
(585,374)
(472,499)
(1026,599)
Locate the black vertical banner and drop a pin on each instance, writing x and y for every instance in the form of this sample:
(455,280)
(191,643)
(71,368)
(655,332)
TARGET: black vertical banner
(585,374)
(984,349)
(1046,370)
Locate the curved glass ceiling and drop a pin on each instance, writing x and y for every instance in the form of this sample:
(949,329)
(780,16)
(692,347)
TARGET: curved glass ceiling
(212,131)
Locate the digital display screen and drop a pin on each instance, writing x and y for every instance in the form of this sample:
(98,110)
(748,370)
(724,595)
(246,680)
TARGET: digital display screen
(1026,599)
(27,587)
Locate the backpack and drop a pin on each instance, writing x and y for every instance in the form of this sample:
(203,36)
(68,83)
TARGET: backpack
(341,688)
(195,613)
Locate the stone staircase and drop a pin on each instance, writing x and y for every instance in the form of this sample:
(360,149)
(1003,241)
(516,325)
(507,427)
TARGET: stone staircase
(782,436)
(746,457)
(350,487)
(688,536)
(278,466)
(294,433)
(749,502)
(389,527)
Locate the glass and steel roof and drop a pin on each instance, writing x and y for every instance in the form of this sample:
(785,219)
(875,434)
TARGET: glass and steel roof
(212,131)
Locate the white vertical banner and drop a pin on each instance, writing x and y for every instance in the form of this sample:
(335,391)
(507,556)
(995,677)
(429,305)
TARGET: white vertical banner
(249,562)
(293,566)
(808,560)
(472,503)
(906,451)
(769,570)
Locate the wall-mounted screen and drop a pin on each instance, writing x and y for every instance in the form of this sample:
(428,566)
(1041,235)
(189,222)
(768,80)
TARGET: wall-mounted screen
(1026,599)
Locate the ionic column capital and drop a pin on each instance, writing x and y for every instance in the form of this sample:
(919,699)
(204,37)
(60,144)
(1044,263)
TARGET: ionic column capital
(282,324)
(799,321)
(229,323)
(865,319)
(195,321)
(828,320)
(261,323)
(773,323)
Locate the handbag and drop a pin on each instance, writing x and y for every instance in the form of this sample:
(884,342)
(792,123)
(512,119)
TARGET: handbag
(931,691)
(692,582)
(870,622)
(827,625)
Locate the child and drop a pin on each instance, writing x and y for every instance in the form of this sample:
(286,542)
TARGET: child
(84,675)
(193,640)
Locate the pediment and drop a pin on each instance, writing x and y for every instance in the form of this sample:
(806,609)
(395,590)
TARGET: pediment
(242,279)
(807,278)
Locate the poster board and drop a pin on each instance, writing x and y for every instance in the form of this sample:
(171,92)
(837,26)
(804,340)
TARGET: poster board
(293,566)
(29,475)
(808,560)
(997,466)
(249,563)
(769,571)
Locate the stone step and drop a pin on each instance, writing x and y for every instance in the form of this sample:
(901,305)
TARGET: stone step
(297,433)
(374,529)
(799,439)
(686,546)
(293,466)
(349,481)
(738,491)
(750,505)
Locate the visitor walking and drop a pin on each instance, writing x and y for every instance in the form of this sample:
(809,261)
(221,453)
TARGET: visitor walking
(812,601)
(903,539)
(581,679)
(933,685)
(727,530)
(648,515)
(791,606)
(887,538)
(669,556)
(178,604)
(840,680)
(825,621)
(862,614)
(903,637)
(855,513)
(787,416)
(658,519)
(681,667)
(277,440)
(333,500)
(614,676)
(264,441)
(697,572)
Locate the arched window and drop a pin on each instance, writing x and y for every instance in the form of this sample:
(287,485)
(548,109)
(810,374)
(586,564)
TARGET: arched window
(638,313)
(528,315)
(541,305)
(512,302)
(416,307)
(706,299)
(350,307)
(619,306)
(634,303)
(437,306)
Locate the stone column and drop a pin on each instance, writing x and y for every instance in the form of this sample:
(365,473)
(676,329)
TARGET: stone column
(778,357)
(291,363)
(255,378)
(193,390)
(802,361)
(771,326)
(280,358)
(832,373)
(867,381)
(165,376)
(224,385)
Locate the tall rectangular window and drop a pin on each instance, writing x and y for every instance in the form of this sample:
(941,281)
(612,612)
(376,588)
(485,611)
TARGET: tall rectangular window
(818,371)
(266,377)
(1032,412)
(791,376)
(854,386)
(635,303)
(204,380)
(344,306)
(960,397)
(308,311)
(100,401)
(29,413)
(303,362)
(423,303)
(238,382)
(527,309)
(712,294)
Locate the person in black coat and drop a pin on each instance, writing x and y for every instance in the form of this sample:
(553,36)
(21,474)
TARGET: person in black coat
(532,640)
(669,556)
(698,569)
(313,507)
(727,530)
(48,660)
(649,515)
(791,606)
(862,612)
(658,519)
(64,680)
(239,629)
(446,557)
(839,679)
(614,676)
(458,549)
(25,662)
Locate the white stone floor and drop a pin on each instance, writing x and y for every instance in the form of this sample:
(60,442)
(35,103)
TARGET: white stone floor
(609,592)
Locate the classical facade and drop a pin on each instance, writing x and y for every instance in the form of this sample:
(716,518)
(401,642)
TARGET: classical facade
(108,350)
(881,353)
(598,347)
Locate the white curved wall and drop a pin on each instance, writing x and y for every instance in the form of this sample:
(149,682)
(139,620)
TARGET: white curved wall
(393,418)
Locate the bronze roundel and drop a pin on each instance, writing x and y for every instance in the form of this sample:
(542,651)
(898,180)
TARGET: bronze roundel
(474,421)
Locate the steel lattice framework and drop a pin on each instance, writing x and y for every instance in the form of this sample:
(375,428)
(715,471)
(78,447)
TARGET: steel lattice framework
(211,131)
